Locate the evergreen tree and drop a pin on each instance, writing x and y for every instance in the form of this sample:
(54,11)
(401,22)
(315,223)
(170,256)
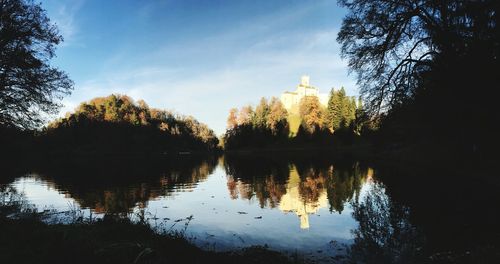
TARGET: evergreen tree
(336,109)
(330,110)
(350,113)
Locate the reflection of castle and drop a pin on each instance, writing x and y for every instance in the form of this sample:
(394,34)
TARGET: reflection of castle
(291,100)
(293,201)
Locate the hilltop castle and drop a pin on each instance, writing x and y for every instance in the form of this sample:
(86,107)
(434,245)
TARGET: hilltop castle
(291,100)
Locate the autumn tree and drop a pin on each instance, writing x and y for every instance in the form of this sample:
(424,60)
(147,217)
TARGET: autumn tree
(276,120)
(246,115)
(117,118)
(311,114)
(232,118)
(29,85)
(261,113)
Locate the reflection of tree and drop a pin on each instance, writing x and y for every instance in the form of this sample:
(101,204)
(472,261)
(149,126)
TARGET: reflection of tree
(384,234)
(299,184)
(109,189)
(249,177)
(345,184)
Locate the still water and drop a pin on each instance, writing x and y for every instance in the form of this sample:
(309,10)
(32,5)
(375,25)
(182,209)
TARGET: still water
(302,205)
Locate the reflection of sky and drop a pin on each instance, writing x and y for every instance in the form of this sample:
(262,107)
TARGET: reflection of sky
(223,222)
(43,195)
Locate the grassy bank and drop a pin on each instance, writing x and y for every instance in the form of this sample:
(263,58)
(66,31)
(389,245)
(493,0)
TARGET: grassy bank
(30,240)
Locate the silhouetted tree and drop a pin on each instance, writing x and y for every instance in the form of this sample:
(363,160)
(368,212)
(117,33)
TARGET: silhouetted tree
(421,59)
(29,85)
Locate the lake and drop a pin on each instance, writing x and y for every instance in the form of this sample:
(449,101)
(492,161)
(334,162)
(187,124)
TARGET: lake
(312,205)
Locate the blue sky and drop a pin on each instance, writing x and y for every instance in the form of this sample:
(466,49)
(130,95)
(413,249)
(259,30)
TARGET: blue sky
(198,58)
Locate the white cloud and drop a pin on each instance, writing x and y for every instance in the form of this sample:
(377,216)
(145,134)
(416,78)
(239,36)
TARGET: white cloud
(64,18)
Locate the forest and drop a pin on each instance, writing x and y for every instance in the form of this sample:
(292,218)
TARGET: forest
(342,122)
(114,125)
(118,124)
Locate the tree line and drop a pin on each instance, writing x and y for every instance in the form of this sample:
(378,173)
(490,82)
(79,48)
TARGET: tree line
(269,123)
(117,123)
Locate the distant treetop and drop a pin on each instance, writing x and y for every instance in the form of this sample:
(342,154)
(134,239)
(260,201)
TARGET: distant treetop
(122,110)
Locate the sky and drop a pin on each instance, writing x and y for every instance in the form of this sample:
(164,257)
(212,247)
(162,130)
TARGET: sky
(198,58)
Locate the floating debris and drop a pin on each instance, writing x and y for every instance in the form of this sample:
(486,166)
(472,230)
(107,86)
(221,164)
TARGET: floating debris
(258,217)
(242,213)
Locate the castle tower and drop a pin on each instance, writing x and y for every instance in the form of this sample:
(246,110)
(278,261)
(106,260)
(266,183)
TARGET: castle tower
(304,80)
(291,100)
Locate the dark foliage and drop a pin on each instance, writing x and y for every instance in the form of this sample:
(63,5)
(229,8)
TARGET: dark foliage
(29,85)
(430,67)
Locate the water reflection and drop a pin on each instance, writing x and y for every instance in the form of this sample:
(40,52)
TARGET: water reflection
(300,186)
(309,203)
(385,233)
(289,203)
(118,188)
(303,198)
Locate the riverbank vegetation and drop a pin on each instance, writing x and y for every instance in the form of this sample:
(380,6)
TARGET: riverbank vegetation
(270,126)
(26,238)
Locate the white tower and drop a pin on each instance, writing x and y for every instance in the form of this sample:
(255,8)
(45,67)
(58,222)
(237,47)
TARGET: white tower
(304,80)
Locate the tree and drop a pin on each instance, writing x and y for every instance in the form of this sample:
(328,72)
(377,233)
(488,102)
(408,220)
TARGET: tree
(422,58)
(246,115)
(350,110)
(276,120)
(261,113)
(232,118)
(360,117)
(386,43)
(389,43)
(336,109)
(29,85)
(311,114)
(116,121)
